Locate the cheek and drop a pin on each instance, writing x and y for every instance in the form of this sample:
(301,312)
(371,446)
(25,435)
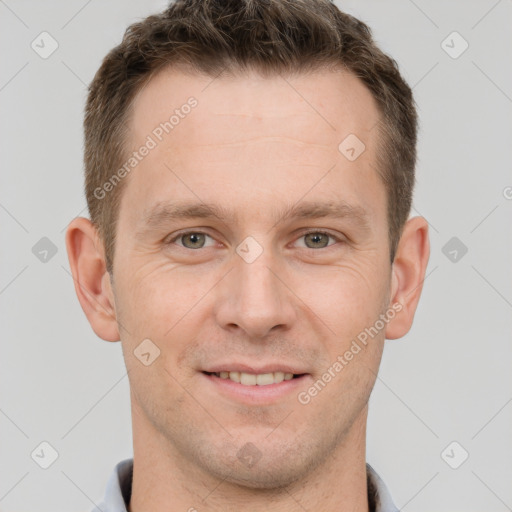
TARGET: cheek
(158,298)
(347,297)
(157,304)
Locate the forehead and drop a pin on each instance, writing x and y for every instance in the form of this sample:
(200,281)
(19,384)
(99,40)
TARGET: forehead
(315,102)
(248,139)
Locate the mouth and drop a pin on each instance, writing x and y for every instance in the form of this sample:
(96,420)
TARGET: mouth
(254,387)
(251,379)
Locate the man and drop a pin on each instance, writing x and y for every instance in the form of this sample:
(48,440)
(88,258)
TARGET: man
(249,174)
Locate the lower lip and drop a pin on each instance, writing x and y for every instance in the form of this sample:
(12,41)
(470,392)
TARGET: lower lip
(257,394)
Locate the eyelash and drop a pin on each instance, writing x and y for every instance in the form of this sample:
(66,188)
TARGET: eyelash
(302,235)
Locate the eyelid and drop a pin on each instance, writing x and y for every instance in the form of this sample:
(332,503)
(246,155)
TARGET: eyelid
(298,236)
(178,235)
(320,231)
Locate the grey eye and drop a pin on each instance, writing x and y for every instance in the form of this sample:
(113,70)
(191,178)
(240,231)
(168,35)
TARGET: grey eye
(316,240)
(193,240)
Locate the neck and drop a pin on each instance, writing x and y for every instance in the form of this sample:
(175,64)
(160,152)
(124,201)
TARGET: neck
(162,478)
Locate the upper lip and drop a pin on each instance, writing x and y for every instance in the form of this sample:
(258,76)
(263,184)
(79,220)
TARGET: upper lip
(256,370)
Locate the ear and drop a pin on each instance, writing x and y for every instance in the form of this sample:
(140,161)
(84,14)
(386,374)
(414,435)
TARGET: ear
(92,281)
(408,274)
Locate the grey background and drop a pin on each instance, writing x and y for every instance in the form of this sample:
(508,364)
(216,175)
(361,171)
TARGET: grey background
(447,380)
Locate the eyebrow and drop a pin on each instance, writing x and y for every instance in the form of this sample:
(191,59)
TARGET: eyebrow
(164,213)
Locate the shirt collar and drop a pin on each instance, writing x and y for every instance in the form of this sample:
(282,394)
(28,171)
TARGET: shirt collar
(119,489)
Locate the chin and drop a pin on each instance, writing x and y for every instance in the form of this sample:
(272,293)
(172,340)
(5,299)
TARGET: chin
(269,466)
(277,476)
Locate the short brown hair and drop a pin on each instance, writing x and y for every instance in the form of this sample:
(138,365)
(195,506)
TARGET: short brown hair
(269,36)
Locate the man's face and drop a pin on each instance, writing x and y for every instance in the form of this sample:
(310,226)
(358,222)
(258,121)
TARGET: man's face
(264,153)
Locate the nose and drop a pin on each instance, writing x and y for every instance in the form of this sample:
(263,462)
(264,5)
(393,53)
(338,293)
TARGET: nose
(255,299)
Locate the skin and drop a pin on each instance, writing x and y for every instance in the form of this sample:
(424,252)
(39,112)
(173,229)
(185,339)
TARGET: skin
(253,147)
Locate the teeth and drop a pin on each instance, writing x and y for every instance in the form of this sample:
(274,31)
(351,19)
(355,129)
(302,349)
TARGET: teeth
(249,379)
(264,379)
(234,376)
(279,377)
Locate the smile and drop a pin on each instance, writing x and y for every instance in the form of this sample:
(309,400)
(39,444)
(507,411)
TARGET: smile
(250,379)
(264,388)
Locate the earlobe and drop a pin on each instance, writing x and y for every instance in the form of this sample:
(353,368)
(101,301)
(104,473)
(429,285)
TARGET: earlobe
(408,274)
(91,279)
